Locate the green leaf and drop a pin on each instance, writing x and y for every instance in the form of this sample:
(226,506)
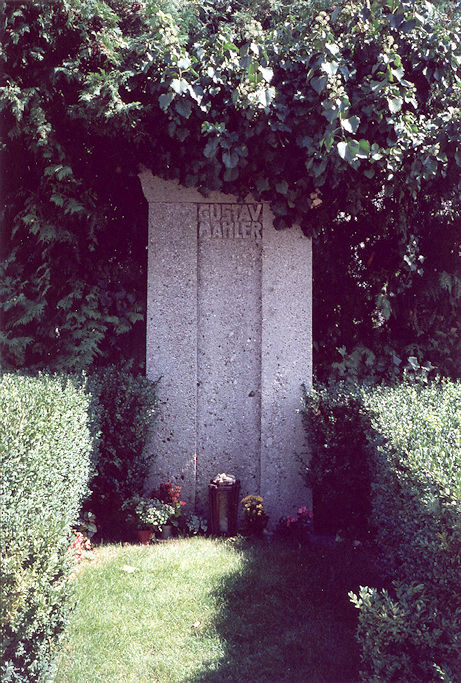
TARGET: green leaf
(332,48)
(395,104)
(64,172)
(407,26)
(330,68)
(351,124)
(398,73)
(230,46)
(231,174)
(265,96)
(73,206)
(184,108)
(179,85)
(349,151)
(319,83)
(211,148)
(282,187)
(267,73)
(363,151)
(342,149)
(262,184)
(184,63)
(230,159)
(165,100)
(330,113)
(57,199)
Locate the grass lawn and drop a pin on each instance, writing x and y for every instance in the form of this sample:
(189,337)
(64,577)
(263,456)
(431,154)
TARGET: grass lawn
(202,610)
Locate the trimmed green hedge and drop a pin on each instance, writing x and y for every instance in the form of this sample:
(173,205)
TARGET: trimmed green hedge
(412,633)
(45,446)
(405,441)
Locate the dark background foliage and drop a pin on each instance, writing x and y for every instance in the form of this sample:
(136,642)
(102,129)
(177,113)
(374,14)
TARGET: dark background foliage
(346,120)
(126,407)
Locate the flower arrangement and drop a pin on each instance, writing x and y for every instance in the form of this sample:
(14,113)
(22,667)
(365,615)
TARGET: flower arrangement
(299,527)
(169,494)
(255,519)
(147,513)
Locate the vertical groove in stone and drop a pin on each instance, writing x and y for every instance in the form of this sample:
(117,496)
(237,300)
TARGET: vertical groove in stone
(260,355)
(197,289)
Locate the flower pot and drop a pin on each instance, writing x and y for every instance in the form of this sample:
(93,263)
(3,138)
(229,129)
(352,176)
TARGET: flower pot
(257,526)
(144,536)
(167,532)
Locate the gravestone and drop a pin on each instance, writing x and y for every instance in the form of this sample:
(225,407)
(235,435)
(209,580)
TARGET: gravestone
(229,332)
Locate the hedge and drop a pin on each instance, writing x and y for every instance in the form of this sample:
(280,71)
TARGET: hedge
(405,441)
(412,633)
(45,446)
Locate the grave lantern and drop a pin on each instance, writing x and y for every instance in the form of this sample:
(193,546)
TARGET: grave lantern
(224,491)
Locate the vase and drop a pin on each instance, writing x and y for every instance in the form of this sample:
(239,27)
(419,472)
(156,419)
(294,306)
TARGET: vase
(167,532)
(144,536)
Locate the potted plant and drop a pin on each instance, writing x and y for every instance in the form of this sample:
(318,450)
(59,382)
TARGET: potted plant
(255,519)
(297,528)
(169,494)
(147,516)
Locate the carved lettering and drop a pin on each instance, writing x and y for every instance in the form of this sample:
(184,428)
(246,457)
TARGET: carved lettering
(230,221)
(255,211)
(256,231)
(204,212)
(227,229)
(216,229)
(215,211)
(204,229)
(244,213)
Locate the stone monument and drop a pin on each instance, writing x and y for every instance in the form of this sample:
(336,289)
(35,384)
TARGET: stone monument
(229,332)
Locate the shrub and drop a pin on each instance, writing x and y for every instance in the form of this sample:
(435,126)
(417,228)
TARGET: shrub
(412,632)
(338,471)
(126,407)
(45,444)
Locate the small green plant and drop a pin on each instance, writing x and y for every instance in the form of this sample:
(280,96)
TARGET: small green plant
(86,524)
(195,525)
(147,513)
(255,519)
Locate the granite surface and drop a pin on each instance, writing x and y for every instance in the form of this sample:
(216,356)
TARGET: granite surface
(229,330)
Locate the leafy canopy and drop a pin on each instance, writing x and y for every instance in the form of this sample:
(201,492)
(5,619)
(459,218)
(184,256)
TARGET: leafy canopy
(347,120)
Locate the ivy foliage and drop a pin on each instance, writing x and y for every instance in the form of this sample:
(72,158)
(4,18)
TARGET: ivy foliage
(346,119)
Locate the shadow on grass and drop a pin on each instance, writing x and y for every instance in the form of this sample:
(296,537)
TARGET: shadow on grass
(287,616)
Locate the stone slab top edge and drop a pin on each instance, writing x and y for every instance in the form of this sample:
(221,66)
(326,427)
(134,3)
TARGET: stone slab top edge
(160,191)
